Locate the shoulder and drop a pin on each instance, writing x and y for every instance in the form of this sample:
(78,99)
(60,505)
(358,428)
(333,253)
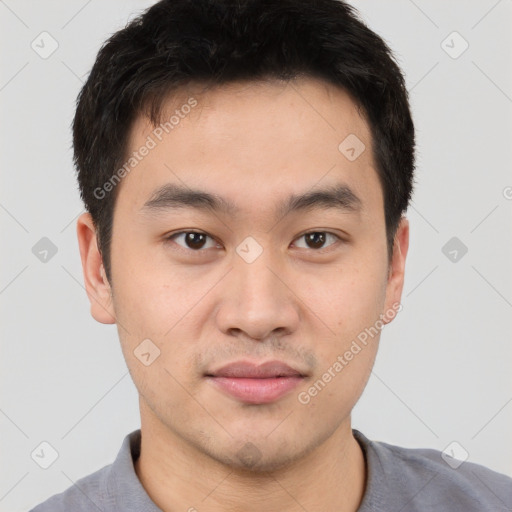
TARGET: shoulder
(426,479)
(110,488)
(85,494)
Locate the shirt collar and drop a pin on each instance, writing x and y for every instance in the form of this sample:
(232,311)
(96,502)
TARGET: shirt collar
(122,482)
(128,494)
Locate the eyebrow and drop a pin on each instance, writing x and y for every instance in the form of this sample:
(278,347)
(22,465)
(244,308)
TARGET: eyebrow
(173,196)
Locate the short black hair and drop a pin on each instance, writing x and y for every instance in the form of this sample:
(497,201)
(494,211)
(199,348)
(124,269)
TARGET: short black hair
(175,43)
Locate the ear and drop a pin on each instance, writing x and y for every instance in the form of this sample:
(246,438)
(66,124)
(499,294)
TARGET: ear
(96,283)
(396,274)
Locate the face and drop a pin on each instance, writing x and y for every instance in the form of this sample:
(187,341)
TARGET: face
(248,234)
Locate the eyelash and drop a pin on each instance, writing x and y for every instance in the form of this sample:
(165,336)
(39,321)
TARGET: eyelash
(170,238)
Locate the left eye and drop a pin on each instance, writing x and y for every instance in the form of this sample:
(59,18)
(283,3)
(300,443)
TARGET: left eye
(317,239)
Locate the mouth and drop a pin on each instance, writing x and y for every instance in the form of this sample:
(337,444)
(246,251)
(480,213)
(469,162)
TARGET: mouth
(251,383)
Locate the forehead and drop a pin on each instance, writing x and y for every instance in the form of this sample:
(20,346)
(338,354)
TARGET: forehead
(253,143)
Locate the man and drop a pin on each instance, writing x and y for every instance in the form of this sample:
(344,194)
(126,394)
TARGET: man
(246,167)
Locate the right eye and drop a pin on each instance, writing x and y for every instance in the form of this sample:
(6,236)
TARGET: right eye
(194,241)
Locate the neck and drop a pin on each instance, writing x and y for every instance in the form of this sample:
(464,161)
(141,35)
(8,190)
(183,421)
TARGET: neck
(178,476)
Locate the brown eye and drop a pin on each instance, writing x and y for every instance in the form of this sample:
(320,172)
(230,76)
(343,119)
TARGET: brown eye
(191,240)
(316,239)
(195,240)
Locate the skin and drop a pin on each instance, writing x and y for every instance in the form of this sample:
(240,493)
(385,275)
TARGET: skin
(254,144)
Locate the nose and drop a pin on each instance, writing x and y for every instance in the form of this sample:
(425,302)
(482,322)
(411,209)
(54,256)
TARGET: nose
(257,300)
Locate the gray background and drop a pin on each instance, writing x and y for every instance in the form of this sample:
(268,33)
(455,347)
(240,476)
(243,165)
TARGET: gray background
(443,369)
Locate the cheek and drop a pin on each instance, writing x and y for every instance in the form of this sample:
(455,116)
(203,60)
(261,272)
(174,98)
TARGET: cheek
(149,296)
(161,305)
(346,305)
(346,297)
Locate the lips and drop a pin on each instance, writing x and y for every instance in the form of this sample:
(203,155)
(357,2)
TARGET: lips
(256,383)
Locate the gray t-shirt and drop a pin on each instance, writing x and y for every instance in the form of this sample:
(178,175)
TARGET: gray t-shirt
(399,479)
